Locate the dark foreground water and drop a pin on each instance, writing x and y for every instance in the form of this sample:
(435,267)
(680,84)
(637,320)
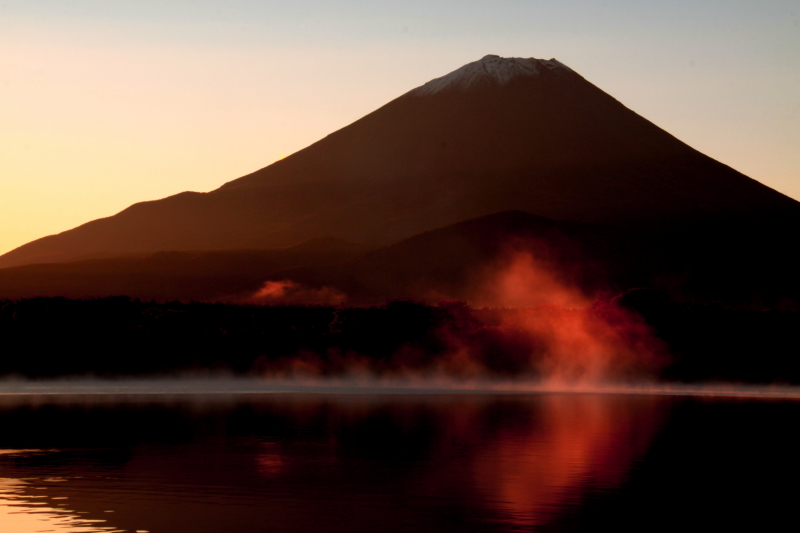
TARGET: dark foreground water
(336,462)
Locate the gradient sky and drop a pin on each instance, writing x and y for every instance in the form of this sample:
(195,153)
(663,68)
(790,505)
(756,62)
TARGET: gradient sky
(104,104)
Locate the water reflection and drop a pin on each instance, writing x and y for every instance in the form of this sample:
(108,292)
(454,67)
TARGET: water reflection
(315,462)
(23,512)
(530,474)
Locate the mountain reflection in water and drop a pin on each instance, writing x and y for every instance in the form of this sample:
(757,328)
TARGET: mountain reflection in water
(324,462)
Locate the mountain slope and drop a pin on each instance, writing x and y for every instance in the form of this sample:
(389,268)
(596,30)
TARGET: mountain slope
(496,135)
(744,266)
(166,276)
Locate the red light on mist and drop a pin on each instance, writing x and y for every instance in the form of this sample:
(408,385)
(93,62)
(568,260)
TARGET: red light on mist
(522,281)
(574,340)
(288,292)
(597,344)
(541,329)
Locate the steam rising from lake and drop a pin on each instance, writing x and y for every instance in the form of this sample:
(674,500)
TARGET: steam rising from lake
(522,319)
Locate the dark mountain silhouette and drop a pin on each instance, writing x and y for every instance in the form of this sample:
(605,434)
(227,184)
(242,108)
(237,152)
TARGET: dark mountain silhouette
(165,276)
(454,262)
(496,135)
(744,266)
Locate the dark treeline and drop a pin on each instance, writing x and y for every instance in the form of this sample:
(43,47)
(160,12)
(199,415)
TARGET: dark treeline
(712,342)
(48,337)
(44,337)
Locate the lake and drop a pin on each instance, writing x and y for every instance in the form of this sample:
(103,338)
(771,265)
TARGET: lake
(90,458)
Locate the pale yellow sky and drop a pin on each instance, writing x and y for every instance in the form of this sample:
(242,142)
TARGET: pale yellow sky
(101,108)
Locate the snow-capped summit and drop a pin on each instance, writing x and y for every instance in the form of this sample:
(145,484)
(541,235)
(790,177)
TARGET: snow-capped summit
(492,69)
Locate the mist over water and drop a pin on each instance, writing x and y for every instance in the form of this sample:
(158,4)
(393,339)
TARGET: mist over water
(521,319)
(220,388)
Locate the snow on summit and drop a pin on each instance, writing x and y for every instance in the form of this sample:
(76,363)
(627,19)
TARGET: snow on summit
(492,69)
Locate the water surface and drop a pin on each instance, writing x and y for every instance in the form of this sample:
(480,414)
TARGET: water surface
(352,462)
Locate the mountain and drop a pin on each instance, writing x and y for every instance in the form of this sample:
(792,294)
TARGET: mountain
(166,276)
(496,135)
(458,261)
(741,266)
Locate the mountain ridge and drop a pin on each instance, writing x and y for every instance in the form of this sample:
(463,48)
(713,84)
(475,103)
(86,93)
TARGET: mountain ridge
(552,145)
(740,267)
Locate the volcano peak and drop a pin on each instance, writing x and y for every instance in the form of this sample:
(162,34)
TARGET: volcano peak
(495,135)
(492,69)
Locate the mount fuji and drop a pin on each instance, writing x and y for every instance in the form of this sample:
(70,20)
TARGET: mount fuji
(415,197)
(495,135)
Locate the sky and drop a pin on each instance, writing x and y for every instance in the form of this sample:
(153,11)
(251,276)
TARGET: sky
(104,104)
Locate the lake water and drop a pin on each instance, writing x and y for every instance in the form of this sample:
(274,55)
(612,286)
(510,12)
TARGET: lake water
(318,460)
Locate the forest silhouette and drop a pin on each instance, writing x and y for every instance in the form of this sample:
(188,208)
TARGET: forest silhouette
(57,337)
